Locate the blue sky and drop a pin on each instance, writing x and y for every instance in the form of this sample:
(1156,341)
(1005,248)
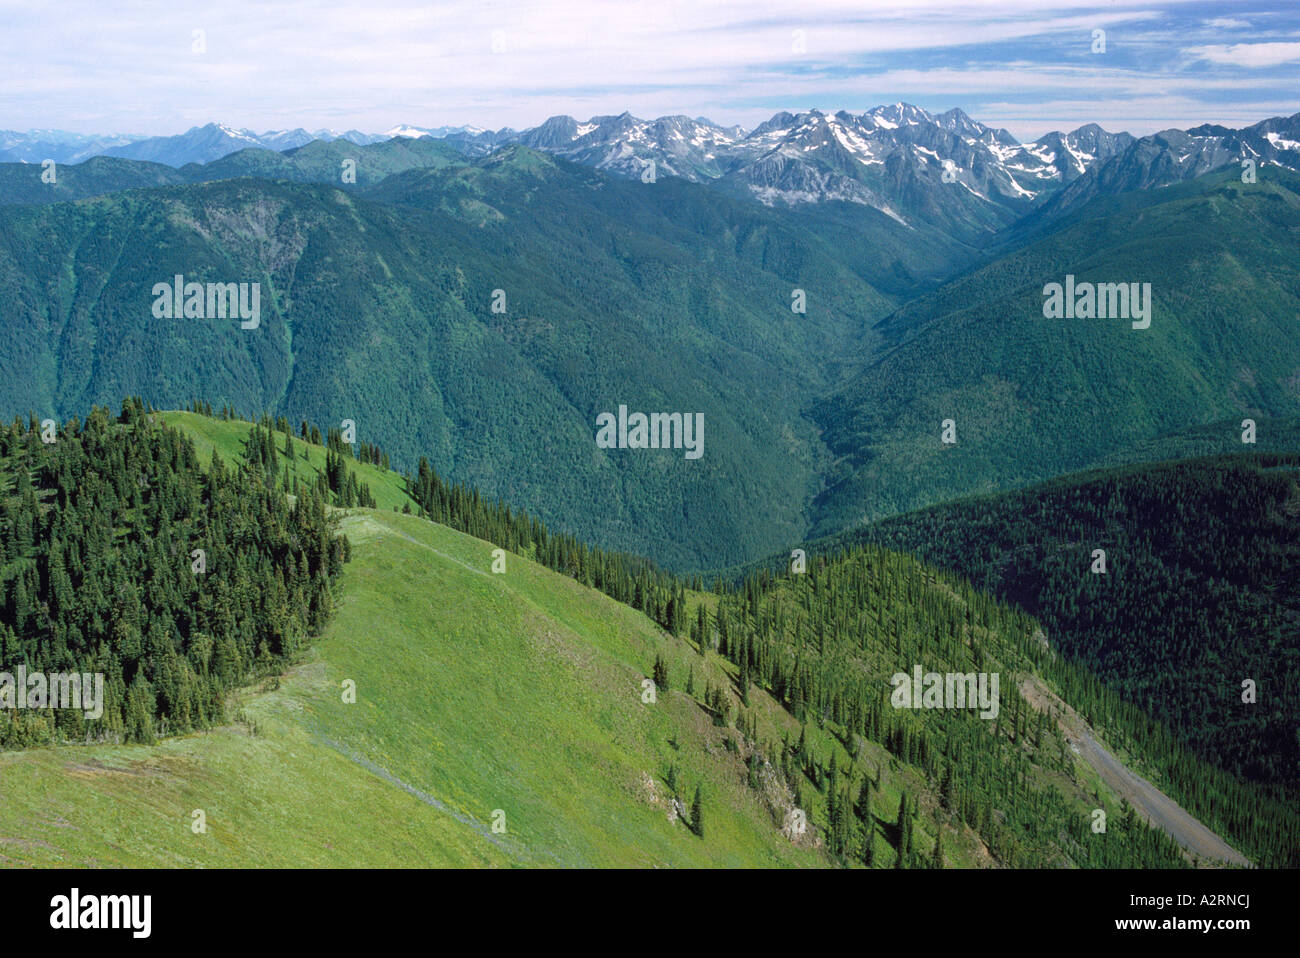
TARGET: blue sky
(138,67)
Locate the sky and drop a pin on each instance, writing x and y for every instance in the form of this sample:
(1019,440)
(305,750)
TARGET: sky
(117,66)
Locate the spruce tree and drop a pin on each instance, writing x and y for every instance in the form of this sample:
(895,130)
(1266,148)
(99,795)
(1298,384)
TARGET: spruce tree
(864,800)
(660,674)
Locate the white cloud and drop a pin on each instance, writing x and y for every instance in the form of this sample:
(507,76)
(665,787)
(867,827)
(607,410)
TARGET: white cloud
(1248,54)
(1226,23)
(96,67)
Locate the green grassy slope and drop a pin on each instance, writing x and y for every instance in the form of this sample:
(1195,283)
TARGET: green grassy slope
(276,798)
(227,438)
(526,697)
(519,691)
(628,642)
(476,691)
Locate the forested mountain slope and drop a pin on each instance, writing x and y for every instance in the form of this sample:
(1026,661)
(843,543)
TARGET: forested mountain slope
(1030,397)
(1201,592)
(486,313)
(663,297)
(515,696)
(1201,589)
(121,555)
(338,163)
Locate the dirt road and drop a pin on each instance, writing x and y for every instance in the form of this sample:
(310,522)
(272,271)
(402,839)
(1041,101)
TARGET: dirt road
(1152,804)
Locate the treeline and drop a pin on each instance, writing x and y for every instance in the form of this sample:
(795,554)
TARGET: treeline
(628,579)
(634,581)
(121,554)
(278,458)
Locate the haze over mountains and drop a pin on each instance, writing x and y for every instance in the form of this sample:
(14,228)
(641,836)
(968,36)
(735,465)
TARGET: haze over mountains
(889,157)
(199,144)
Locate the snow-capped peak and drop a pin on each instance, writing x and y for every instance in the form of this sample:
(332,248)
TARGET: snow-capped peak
(413,132)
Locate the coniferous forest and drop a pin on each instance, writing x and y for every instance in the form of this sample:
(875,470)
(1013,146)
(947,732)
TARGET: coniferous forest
(825,642)
(121,554)
(1201,589)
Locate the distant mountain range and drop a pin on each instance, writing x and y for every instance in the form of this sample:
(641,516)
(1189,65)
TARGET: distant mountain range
(377,306)
(921,243)
(200,144)
(899,159)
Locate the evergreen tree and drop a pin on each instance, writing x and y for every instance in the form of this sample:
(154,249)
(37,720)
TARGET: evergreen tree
(660,674)
(864,801)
